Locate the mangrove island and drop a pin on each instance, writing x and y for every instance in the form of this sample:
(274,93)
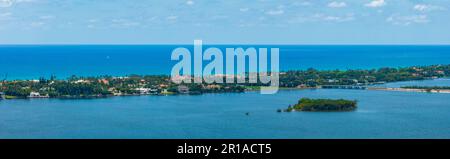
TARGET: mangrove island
(322,105)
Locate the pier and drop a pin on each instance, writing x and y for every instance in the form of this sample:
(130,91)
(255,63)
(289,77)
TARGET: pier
(343,87)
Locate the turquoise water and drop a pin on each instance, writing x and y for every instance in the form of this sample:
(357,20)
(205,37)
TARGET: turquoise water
(34,61)
(380,114)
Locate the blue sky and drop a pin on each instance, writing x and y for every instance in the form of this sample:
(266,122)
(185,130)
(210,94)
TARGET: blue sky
(230,21)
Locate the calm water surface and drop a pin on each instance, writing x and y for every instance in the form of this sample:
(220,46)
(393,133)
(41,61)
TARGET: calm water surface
(34,61)
(380,115)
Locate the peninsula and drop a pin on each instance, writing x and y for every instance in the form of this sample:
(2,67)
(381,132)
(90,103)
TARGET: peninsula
(105,86)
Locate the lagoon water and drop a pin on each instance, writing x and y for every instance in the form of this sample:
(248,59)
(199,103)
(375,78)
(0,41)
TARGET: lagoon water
(381,114)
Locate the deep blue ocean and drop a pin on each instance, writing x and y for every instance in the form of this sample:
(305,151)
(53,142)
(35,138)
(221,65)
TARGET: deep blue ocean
(380,114)
(34,61)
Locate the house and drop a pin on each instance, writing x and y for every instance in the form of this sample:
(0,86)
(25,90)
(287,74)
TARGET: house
(144,91)
(81,81)
(154,91)
(183,89)
(302,86)
(333,81)
(163,86)
(37,95)
(213,86)
(103,81)
(440,72)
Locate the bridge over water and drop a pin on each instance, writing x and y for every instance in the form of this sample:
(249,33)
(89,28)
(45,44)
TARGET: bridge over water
(343,87)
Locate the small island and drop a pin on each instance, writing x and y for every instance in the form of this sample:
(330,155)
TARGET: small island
(322,105)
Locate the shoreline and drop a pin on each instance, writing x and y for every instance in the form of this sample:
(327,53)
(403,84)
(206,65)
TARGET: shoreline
(443,91)
(136,85)
(446,91)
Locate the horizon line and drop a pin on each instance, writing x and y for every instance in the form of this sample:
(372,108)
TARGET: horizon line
(208,44)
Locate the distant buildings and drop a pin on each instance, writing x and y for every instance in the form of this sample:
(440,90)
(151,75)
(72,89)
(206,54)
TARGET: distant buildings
(183,89)
(213,86)
(81,81)
(103,81)
(37,95)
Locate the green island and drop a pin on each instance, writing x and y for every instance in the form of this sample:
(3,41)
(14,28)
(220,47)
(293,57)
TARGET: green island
(106,86)
(322,105)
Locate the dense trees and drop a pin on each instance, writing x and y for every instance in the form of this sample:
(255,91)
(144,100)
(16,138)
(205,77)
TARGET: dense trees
(133,84)
(312,77)
(307,104)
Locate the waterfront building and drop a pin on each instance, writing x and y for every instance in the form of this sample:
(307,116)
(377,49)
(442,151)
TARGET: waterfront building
(183,89)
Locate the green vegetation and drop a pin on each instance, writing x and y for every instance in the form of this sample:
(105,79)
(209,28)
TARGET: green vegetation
(103,86)
(313,77)
(315,105)
(426,87)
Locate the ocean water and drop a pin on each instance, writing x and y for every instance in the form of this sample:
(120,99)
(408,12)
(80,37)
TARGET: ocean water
(381,114)
(34,61)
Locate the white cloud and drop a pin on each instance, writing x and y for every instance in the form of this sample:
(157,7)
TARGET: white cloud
(338,19)
(407,20)
(7,14)
(46,17)
(275,12)
(190,2)
(20,1)
(330,18)
(376,3)
(323,18)
(244,9)
(426,7)
(93,20)
(302,3)
(219,17)
(123,23)
(6,3)
(336,4)
(172,18)
(37,24)
(9,3)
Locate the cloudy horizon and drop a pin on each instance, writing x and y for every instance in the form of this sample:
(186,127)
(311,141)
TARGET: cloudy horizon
(226,22)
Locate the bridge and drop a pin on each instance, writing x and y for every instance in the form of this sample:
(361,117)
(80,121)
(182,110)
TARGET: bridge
(343,87)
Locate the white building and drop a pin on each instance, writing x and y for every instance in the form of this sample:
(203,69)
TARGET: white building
(37,95)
